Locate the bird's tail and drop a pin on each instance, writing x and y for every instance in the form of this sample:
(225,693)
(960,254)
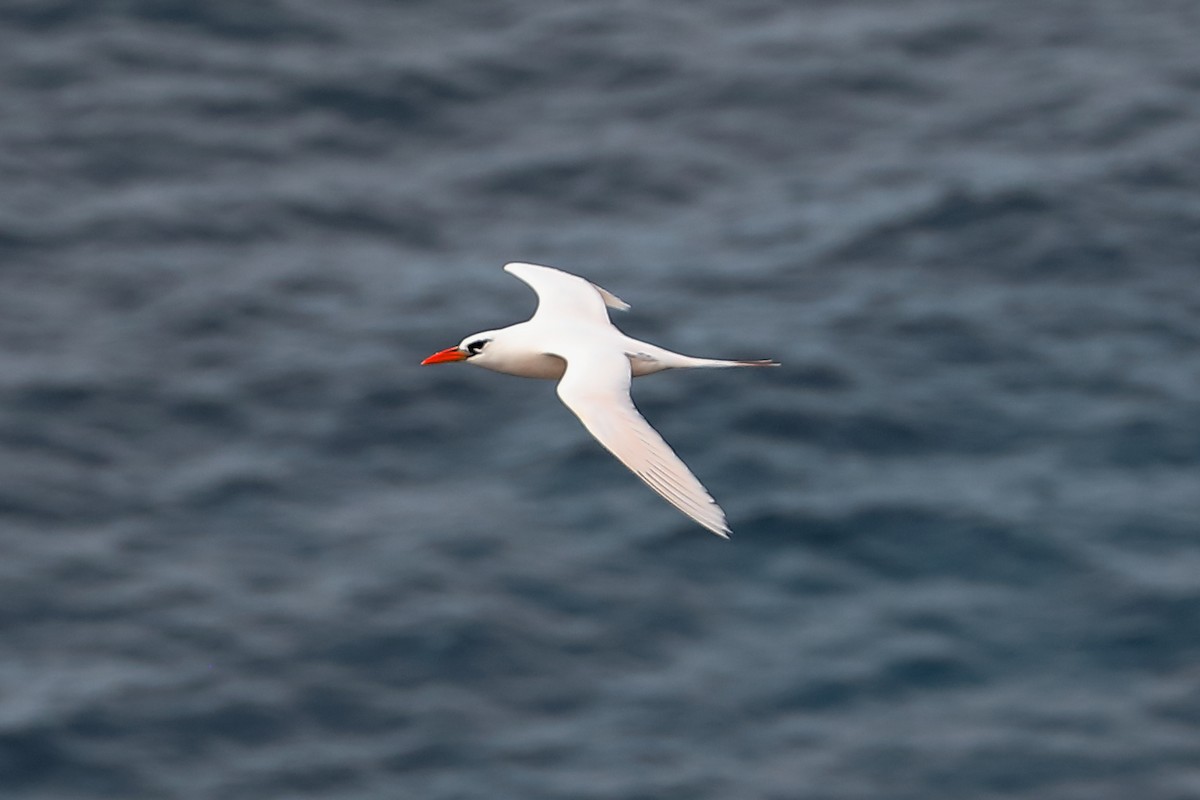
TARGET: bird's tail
(717,363)
(648,358)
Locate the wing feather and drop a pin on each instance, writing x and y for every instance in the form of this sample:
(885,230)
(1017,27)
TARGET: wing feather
(595,387)
(563,296)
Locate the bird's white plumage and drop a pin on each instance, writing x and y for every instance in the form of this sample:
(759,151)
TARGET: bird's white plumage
(596,388)
(570,338)
(563,296)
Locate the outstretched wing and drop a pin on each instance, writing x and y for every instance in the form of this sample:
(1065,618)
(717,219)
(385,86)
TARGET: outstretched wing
(563,296)
(595,387)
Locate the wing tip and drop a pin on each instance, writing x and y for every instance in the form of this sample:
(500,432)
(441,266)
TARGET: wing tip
(718,526)
(610,299)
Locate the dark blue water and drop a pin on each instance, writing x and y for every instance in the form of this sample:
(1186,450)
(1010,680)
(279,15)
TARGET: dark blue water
(249,549)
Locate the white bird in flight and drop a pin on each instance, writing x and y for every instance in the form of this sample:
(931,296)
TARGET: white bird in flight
(571,339)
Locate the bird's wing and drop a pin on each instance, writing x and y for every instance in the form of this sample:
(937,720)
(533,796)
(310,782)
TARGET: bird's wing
(595,387)
(563,296)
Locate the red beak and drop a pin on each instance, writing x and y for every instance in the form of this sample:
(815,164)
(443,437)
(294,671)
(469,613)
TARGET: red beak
(445,356)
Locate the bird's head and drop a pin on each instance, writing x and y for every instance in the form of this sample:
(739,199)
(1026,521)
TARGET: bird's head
(473,348)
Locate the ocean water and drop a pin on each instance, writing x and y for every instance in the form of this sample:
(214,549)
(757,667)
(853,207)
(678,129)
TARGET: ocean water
(249,549)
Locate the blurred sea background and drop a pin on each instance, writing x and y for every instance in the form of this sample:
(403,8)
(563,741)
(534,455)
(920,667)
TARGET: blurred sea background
(249,549)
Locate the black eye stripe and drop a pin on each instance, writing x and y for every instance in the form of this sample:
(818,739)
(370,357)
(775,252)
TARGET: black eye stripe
(475,346)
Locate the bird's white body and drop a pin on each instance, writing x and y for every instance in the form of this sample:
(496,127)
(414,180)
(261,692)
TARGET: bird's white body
(522,350)
(570,339)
